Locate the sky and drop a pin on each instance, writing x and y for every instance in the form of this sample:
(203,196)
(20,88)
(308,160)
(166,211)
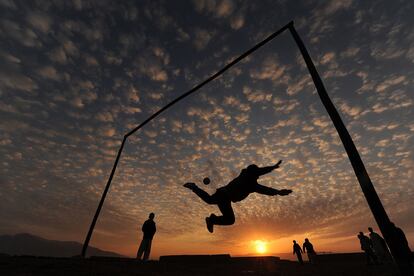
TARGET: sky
(76,76)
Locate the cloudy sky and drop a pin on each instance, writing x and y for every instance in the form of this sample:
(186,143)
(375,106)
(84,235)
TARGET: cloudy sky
(75,76)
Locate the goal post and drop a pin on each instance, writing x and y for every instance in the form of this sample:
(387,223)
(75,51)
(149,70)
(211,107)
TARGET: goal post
(358,166)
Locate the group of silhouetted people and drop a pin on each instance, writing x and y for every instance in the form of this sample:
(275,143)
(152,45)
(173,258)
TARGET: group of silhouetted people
(374,247)
(377,252)
(307,248)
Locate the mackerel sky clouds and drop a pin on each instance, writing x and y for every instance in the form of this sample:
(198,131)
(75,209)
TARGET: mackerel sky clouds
(75,76)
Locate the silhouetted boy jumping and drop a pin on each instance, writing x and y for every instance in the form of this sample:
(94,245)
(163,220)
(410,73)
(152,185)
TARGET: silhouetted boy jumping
(237,190)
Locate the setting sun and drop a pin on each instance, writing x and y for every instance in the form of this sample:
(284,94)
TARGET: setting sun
(261,246)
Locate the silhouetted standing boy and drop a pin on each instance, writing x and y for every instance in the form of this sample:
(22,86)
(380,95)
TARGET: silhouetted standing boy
(149,229)
(237,190)
(379,246)
(366,246)
(308,248)
(298,251)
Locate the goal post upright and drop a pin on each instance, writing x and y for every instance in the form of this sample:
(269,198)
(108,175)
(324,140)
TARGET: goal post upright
(101,202)
(371,196)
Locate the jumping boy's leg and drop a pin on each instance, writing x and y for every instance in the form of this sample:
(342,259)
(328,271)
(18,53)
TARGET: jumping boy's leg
(228,215)
(219,198)
(226,219)
(201,193)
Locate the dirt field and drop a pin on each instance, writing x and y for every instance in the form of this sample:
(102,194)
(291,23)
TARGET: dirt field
(189,266)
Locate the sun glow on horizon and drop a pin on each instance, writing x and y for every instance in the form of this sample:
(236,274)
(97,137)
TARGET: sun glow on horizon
(261,246)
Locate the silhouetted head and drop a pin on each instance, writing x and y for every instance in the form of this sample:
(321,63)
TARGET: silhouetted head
(306,240)
(361,234)
(151,216)
(294,241)
(252,168)
(370,229)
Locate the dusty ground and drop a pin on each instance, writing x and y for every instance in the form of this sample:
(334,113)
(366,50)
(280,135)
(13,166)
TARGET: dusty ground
(237,266)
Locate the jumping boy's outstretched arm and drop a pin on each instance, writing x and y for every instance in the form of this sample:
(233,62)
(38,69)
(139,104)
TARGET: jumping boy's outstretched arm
(260,189)
(265,170)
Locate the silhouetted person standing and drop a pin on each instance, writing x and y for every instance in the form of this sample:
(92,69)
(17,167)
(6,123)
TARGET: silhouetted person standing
(298,251)
(308,248)
(366,246)
(149,229)
(403,254)
(379,246)
(237,190)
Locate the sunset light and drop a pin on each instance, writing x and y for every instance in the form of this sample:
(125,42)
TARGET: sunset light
(261,246)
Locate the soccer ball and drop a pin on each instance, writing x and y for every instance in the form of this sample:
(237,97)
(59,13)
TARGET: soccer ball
(206,180)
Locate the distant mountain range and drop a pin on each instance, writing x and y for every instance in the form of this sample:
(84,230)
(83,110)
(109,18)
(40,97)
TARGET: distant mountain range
(27,244)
